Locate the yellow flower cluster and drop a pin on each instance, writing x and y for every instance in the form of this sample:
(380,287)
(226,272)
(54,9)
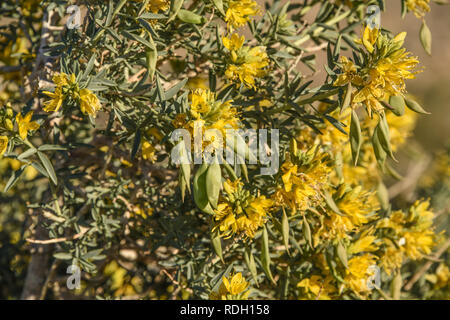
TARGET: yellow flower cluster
(239,12)
(238,212)
(232,288)
(384,75)
(407,235)
(418,7)
(245,63)
(67,87)
(303,178)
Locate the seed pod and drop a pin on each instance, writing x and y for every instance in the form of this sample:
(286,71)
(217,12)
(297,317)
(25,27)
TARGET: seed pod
(200,195)
(213,183)
(414,106)
(384,137)
(380,154)
(398,105)
(152,58)
(190,17)
(425,37)
(175,7)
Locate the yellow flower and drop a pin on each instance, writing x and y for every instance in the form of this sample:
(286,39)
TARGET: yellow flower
(89,103)
(363,244)
(25,124)
(234,42)
(358,273)
(240,212)
(418,7)
(197,83)
(317,288)
(3,144)
(61,80)
(55,103)
(232,289)
(349,73)
(246,63)
(302,184)
(157,5)
(239,12)
(148,151)
(369,38)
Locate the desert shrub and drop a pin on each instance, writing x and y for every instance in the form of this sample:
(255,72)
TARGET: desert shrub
(92,109)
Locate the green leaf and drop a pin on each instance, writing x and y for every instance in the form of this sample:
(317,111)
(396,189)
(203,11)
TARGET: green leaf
(250,261)
(48,167)
(14,178)
(355,137)
(285,230)
(330,203)
(219,6)
(132,36)
(307,232)
(425,37)
(62,255)
(175,6)
(27,154)
(174,90)
(342,254)
(265,256)
(217,245)
(347,98)
(51,147)
(89,67)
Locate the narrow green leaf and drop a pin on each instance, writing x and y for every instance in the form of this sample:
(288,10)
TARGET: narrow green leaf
(48,167)
(355,137)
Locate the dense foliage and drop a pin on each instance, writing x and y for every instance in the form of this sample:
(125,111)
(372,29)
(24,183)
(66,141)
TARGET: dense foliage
(87,118)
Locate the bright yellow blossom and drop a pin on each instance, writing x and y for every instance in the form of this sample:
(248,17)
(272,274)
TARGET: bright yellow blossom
(232,289)
(89,103)
(239,12)
(148,151)
(239,212)
(3,144)
(418,7)
(25,124)
(246,63)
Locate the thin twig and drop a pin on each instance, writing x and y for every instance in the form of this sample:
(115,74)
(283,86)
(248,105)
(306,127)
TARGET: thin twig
(426,266)
(56,240)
